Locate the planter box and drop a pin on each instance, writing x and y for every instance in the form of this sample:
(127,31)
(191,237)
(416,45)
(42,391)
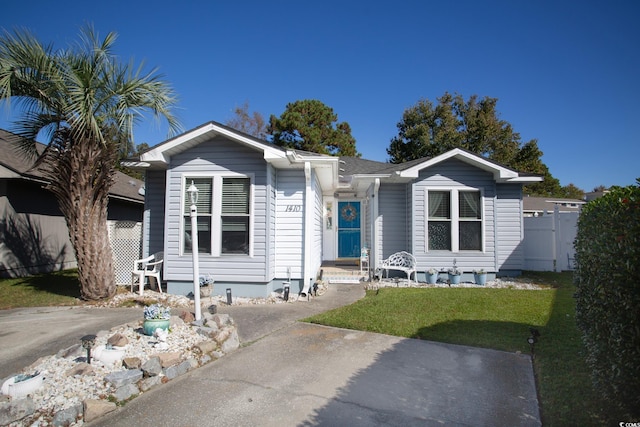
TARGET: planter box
(23,388)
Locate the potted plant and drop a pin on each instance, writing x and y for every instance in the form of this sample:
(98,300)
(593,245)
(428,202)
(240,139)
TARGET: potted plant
(108,354)
(432,276)
(206,285)
(156,316)
(23,384)
(480,277)
(454,274)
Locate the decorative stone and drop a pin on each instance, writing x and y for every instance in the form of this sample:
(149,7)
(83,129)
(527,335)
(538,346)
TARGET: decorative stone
(206,346)
(131,362)
(207,332)
(94,408)
(176,370)
(118,340)
(222,320)
(187,316)
(222,336)
(152,367)
(121,378)
(146,384)
(72,352)
(125,392)
(80,369)
(170,359)
(232,342)
(16,410)
(67,416)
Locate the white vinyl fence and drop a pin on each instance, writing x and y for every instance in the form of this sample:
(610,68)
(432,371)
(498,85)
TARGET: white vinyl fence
(548,241)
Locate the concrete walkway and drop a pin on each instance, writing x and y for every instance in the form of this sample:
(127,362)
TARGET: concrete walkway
(295,374)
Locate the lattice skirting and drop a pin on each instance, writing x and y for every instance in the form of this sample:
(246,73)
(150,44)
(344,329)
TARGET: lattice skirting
(126,244)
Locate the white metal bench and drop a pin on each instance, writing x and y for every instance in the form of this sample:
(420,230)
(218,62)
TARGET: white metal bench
(402,261)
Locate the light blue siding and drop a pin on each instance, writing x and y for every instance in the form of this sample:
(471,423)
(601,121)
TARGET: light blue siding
(289,230)
(392,224)
(454,174)
(218,156)
(509,234)
(154,207)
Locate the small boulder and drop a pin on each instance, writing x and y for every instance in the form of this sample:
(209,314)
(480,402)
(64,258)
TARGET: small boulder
(80,369)
(131,362)
(118,340)
(152,367)
(187,316)
(95,408)
(170,359)
(16,410)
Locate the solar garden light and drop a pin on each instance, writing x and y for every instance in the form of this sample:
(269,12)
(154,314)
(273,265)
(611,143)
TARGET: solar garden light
(229,299)
(87,343)
(192,191)
(286,292)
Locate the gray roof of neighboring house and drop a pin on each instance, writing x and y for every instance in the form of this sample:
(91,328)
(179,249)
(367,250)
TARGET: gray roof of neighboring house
(124,187)
(542,204)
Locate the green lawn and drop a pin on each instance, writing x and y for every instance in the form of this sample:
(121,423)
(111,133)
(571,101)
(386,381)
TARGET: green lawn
(59,288)
(498,319)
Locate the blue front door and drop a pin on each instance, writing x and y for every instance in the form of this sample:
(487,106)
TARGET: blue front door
(348,229)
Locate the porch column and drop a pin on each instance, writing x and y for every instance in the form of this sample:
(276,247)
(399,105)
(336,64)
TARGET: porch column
(308,229)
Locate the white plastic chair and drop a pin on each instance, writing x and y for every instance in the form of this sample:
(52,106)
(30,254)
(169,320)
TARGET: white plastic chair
(150,267)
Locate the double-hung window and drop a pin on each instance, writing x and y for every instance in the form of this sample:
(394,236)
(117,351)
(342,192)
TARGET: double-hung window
(454,220)
(224,210)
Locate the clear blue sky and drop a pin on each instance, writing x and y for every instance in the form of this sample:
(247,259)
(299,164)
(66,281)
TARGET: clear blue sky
(566,73)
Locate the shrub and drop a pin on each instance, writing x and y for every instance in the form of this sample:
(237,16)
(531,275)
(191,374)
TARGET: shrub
(607,279)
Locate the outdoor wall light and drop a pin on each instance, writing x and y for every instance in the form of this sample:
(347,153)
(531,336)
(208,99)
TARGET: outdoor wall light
(87,343)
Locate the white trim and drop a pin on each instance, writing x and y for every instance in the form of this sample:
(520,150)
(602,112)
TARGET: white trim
(500,173)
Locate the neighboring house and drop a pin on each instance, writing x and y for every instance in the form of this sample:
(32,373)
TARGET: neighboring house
(537,206)
(34,237)
(265,213)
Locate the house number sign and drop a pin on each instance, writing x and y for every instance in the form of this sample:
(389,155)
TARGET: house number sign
(293,208)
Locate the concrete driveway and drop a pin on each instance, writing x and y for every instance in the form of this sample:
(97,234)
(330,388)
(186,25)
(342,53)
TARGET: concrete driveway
(295,374)
(27,334)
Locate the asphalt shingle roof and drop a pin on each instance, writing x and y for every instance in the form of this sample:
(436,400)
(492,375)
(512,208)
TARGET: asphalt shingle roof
(124,185)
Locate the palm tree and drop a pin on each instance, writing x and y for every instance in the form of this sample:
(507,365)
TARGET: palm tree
(85,103)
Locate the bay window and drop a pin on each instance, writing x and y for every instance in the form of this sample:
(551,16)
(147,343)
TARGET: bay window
(454,220)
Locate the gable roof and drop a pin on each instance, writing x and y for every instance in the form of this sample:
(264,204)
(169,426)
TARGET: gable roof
(15,165)
(500,173)
(159,155)
(411,169)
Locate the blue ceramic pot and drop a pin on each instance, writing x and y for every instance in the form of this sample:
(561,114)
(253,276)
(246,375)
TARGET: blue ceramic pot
(432,278)
(150,325)
(454,279)
(480,279)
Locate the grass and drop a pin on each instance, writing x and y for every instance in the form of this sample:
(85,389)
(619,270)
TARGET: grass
(498,319)
(489,318)
(55,289)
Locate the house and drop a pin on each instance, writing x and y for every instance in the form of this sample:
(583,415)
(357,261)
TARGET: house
(266,214)
(537,206)
(34,237)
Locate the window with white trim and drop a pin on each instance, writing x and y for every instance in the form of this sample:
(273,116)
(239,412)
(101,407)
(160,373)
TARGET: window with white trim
(204,205)
(454,220)
(224,210)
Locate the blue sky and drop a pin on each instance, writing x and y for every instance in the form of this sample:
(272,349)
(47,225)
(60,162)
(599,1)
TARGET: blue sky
(565,72)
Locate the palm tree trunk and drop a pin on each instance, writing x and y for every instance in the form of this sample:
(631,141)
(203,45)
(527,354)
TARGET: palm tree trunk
(81,185)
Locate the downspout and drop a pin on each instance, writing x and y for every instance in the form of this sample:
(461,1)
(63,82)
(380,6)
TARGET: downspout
(307,274)
(373,255)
